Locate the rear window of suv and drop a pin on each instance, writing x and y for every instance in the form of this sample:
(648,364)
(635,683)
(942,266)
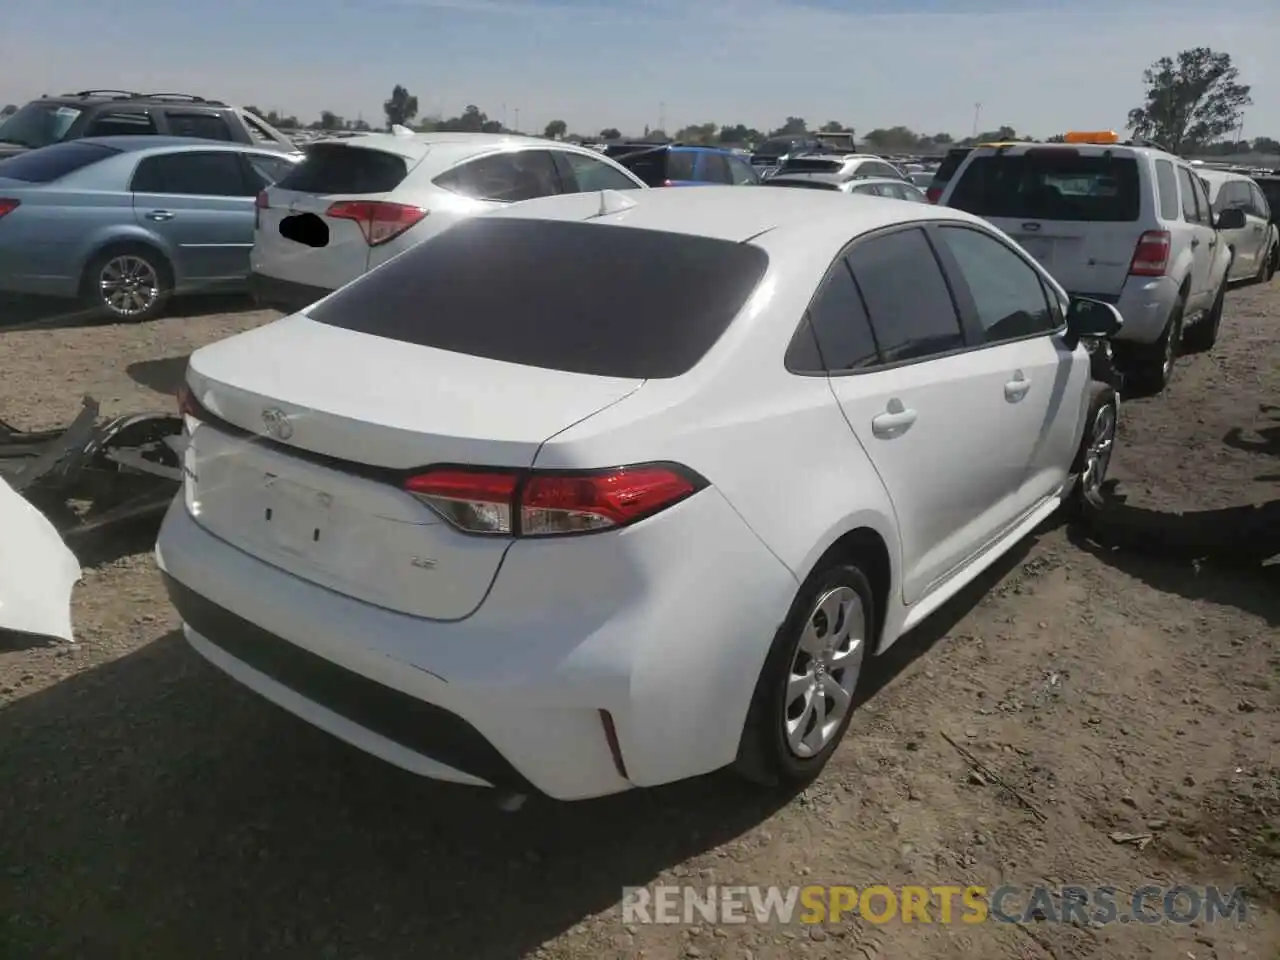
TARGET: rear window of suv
(337,168)
(578,297)
(1052,183)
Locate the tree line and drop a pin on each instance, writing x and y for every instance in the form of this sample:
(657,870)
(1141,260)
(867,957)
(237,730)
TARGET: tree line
(1193,103)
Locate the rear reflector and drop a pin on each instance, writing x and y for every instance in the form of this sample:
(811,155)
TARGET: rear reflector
(551,503)
(1151,255)
(379,221)
(8,206)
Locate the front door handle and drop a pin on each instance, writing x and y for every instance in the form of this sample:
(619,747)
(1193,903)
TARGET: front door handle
(1016,389)
(894,422)
(160,215)
(1195,243)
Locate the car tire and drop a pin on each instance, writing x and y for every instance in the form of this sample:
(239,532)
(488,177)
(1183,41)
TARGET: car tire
(1202,335)
(1150,365)
(1093,458)
(784,741)
(143,283)
(1270,264)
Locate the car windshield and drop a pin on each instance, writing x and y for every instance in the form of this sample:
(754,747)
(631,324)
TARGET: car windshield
(608,301)
(38,124)
(1050,184)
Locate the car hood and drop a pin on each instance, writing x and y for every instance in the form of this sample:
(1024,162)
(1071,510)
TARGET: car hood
(37,571)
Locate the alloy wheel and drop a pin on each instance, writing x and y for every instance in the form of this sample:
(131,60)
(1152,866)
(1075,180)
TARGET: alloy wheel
(128,285)
(1097,457)
(824,672)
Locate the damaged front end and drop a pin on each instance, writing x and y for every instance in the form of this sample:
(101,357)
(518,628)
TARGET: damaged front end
(60,488)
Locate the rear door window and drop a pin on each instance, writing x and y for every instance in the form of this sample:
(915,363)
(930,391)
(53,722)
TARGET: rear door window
(193,174)
(680,165)
(206,126)
(912,314)
(649,165)
(840,326)
(582,174)
(117,123)
(54,161)
(507,177)
(1050,184)
(1258,205)
(1167,187)
(1007,292)
(609,301)
(715,169)
(336,168)
(742,172)
(1191,206)
(268,169)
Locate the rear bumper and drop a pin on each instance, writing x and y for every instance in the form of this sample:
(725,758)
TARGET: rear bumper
(284,295)
(1145,303)
(668,640)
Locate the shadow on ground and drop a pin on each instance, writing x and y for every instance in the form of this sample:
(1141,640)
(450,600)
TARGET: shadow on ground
(151,807)
(163,375)
(25,313)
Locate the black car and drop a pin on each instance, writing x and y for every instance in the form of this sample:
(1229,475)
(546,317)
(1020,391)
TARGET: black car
(107,113)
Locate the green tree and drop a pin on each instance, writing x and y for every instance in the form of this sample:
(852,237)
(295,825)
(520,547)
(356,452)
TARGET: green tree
(740,133)
(1056,138)
(702,133)
(555,130)
(610,133)
(1191,100)
(1266,145)
(793,127)
(656,134)
(893,138)
(330,120)
(401,108)
(833,126)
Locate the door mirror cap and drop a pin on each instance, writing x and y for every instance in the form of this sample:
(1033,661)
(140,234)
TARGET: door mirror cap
(1231,219)
(1094,319)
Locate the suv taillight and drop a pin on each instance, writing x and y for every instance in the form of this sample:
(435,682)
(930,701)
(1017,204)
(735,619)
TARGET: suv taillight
(514,503)
(379,221)
(933,194)
(260,202)
(8,206)
(1151,255)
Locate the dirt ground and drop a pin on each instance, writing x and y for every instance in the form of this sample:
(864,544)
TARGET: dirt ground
(149,807)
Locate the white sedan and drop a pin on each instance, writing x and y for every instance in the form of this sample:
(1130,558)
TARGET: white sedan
(614,489)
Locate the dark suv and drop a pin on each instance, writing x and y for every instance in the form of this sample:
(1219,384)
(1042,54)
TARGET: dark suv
(108,113)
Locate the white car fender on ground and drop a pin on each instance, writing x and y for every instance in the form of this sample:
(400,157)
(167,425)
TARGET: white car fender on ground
(37,571)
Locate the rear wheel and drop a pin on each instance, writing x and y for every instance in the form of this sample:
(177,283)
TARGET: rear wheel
(131,283)
(1150,365)
(1203,335)
(1270,264)
(803,700)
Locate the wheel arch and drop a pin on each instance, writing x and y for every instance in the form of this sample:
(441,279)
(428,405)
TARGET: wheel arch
(126,241)
(868,541)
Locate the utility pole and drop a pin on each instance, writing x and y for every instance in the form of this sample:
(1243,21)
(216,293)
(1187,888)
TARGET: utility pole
(504,117)
(977,112)
(662,116)
(517,119)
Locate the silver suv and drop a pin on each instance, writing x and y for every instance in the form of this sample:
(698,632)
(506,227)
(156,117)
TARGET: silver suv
(1125,223)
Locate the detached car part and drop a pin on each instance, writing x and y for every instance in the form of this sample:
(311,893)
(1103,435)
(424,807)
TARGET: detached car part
(37,571)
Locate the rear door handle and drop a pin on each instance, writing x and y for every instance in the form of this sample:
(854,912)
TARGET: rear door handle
(894,422)
(1016,389)
(160,215)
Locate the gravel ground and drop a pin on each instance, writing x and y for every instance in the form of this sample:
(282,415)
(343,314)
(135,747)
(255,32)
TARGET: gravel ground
(152,808)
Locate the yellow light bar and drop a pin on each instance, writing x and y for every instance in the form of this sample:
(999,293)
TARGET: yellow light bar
(1092,136)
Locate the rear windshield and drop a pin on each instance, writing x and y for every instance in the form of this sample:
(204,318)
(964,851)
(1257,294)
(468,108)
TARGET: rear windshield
(50,163)
(649,165)
(1051,184)
(950,163)
(803,184)
(812,165)
(39,124)
(580,297)
(337,168)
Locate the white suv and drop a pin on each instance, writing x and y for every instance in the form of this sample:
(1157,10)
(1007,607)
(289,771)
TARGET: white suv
(1130,225)
(355,203)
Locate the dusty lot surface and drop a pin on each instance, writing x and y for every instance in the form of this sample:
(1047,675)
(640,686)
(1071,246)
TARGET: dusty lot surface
(150,808)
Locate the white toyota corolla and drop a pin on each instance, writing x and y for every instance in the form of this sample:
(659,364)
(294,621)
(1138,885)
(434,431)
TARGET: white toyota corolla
(610,490)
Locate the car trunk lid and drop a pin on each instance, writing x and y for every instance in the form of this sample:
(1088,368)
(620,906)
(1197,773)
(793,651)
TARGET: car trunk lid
(308,432)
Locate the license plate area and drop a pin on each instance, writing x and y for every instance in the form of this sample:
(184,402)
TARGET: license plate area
(298,519)
(306,229)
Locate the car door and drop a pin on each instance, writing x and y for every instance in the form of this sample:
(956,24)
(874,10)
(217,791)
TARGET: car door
(201,204)
(1020,323)
(931,415)
(1198,219)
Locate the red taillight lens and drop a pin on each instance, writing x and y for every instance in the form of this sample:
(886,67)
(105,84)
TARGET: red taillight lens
(535,504)
(189,406)
(8,205)
(260,203)
(379,221)
(933,194)
(1151,255)
(667,183)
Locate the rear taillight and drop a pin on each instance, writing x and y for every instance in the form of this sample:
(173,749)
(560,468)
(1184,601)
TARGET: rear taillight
(379,221)
(8,206)
(535,503)
(933,194)
(1151,255)
(189,406)
(668,183)
(260,202)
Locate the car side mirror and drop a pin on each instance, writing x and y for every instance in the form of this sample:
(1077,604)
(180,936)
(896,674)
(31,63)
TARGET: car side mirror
(1092,319)
(1231,219)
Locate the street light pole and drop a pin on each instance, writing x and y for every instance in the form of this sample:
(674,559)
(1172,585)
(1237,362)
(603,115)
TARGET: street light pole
(977,112)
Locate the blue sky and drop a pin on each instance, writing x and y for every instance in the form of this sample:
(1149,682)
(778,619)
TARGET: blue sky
(1039,66)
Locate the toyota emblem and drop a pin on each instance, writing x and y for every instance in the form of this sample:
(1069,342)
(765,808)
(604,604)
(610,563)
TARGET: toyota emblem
(277,423)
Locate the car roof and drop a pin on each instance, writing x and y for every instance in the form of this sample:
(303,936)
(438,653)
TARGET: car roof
(1214,175)
(825,219)
(418,145)
(129,144)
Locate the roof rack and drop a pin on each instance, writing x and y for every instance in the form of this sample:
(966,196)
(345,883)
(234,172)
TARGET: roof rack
(182,97)
(117,94)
